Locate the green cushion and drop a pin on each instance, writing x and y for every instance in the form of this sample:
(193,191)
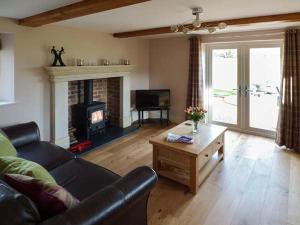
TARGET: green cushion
(6,147)
(15,165)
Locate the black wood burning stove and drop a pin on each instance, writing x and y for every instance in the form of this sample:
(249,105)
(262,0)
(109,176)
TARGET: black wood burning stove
(88,118)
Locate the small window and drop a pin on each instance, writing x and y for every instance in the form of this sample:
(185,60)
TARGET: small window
(7,69)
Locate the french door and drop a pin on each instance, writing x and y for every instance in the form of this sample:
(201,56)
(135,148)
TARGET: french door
(243,83)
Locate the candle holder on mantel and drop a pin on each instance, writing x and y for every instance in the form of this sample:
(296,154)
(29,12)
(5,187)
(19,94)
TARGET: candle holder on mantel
(126,62)
(105,62)
(80,62)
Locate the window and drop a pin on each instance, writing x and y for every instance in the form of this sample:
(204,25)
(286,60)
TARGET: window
(7,90)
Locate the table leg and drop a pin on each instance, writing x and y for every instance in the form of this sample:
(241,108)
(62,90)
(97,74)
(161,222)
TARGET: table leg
(161,119)
(142,117)
(139,115)
(194,172)
(168,116)
(155,158)
(222,149)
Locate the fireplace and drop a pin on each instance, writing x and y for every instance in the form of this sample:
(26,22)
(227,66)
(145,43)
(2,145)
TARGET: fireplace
(89,117)
(97,117)
(60,77)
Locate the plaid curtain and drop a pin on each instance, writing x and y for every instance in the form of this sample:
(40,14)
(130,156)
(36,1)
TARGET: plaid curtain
(288,131)
(195,81)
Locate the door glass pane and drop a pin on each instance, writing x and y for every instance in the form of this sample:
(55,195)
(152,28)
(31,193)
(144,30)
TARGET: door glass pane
(224,85)
(264,87)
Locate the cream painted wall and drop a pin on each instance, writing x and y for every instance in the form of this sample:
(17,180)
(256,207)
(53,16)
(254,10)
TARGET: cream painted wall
(169,59)
(32,53)
(7,68)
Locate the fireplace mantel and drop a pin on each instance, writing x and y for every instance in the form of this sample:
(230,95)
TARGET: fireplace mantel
(59,78)
(71,73)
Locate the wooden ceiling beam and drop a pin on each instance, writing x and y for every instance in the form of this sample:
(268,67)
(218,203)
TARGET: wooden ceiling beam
(82,8)
(290,17)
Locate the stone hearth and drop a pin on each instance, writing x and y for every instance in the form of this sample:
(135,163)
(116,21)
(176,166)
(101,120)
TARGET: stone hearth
(60,78)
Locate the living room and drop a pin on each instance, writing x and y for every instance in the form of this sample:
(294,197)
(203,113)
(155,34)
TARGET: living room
(93,95)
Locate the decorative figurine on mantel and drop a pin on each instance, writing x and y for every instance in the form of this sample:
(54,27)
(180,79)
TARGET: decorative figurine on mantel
(57,56)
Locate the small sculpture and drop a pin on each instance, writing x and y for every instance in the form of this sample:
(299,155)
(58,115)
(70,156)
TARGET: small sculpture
(57,56)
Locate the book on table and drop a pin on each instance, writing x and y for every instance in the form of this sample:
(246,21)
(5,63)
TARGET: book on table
(171,137)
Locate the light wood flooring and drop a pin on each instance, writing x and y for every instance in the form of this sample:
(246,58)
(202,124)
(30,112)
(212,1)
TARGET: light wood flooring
(256,184)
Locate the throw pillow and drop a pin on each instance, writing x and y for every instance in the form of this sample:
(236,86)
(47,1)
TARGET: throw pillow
(11,164)
(50,199)
(6,147)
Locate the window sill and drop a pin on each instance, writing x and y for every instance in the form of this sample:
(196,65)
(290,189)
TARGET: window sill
(3,103)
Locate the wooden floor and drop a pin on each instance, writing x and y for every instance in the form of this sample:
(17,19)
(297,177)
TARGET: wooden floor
(257,183)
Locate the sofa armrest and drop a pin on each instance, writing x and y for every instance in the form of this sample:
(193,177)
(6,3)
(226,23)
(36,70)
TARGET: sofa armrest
(114,204)
(22,134)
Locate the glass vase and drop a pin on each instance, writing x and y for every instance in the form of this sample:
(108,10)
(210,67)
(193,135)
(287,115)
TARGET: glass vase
(195,126)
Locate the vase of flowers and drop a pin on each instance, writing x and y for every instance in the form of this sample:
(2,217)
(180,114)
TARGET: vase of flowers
(196,114)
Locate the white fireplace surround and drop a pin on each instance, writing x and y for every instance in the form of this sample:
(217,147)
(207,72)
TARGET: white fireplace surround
(59,78)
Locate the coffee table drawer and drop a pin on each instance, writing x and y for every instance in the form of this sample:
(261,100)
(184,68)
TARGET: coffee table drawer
(172,164)
(219,141)
(171,156)
(208,152)
(217,144)
(203,159)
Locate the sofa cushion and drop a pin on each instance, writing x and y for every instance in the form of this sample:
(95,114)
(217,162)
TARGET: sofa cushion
(11,164)
(50,199)
(46,154)
(82,178)
(6,147)
(16,208)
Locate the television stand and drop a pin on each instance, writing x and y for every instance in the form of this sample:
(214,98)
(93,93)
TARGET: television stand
(161,109)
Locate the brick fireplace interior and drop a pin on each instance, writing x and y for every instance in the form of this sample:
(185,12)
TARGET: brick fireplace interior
(105,90)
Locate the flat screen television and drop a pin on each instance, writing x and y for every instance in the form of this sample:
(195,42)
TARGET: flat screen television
(152,98)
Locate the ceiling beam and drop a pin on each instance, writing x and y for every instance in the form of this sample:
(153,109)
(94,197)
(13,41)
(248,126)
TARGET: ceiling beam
(82,8)
(290,17)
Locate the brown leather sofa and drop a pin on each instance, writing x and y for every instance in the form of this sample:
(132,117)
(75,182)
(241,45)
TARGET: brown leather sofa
(105,197)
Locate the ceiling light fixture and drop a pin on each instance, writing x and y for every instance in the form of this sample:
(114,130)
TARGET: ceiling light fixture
(197,24)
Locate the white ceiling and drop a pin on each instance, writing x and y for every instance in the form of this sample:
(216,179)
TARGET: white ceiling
(157,13)
(23,8)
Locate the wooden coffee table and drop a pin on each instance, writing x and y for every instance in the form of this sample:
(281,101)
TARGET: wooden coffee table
(189,164)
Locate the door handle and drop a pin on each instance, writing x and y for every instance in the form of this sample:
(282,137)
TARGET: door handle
(247,90)
(239,90)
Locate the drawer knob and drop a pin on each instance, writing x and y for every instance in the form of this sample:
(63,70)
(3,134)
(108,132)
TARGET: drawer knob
(218,142)
(206,155)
